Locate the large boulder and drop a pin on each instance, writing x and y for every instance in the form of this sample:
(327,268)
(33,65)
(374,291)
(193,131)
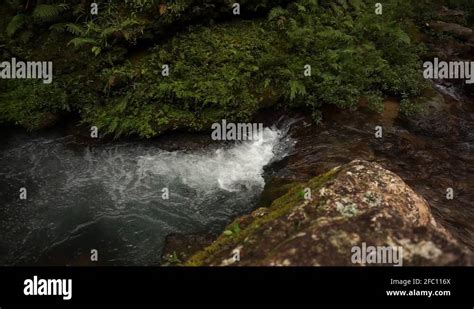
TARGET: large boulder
(358,203)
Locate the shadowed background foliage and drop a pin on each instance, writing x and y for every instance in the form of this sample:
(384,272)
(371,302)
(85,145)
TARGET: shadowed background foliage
(108,67)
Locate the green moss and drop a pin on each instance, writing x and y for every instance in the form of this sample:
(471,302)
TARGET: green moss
(279,208)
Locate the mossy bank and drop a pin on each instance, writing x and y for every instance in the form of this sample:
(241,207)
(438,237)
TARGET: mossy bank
(293,54)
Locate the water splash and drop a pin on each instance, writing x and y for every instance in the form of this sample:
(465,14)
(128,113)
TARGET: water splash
(233,169)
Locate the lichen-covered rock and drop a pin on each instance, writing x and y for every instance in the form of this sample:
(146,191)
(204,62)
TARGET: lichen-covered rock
(357,203)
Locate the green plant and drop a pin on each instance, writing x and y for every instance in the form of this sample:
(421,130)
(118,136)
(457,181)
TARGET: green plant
(410,108)
(232,230)
(219,68)
(171,260)
(49,12)
(15,24)
(31,103)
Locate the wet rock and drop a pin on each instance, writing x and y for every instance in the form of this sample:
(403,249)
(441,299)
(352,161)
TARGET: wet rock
(434,118)
(48,120)
(178,247)
(464,33)
(449,15)
(274,189)
(457,44)
(448,48)
(357,203)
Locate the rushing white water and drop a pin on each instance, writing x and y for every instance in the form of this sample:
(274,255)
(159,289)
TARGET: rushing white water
(234,169)
(452,91)
(110,196)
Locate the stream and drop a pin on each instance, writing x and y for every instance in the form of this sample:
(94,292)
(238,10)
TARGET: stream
(109,196)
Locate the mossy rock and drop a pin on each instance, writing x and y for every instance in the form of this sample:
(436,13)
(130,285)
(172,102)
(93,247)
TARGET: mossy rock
(357,203)
(252,223)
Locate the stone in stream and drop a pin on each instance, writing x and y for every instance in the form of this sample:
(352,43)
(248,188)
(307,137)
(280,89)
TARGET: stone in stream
(357,204)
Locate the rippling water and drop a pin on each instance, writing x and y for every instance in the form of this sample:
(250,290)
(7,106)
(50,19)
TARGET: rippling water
(109,197)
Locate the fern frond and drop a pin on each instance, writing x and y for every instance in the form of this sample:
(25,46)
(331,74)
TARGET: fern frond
(68,27)
(129,22)
(48,12)
(78,42)
(78,10)
(296,88)
(15,24)
(108,31)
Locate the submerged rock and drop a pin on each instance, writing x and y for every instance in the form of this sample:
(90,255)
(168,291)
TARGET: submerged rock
(357,203)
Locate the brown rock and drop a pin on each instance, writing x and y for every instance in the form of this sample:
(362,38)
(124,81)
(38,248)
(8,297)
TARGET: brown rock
(179,246)
(450,15)
(457,30)
(48,120)
(357,203)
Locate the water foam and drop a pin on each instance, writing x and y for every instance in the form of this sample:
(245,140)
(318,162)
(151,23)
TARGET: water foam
(236,168)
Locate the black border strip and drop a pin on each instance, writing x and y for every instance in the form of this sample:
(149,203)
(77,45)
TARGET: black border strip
(263,285)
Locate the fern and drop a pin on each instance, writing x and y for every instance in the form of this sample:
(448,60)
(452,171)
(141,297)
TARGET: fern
(296,88)
(49,12)
(15,24)
(78,42)
(68,27)
(276,13)
(107,32)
